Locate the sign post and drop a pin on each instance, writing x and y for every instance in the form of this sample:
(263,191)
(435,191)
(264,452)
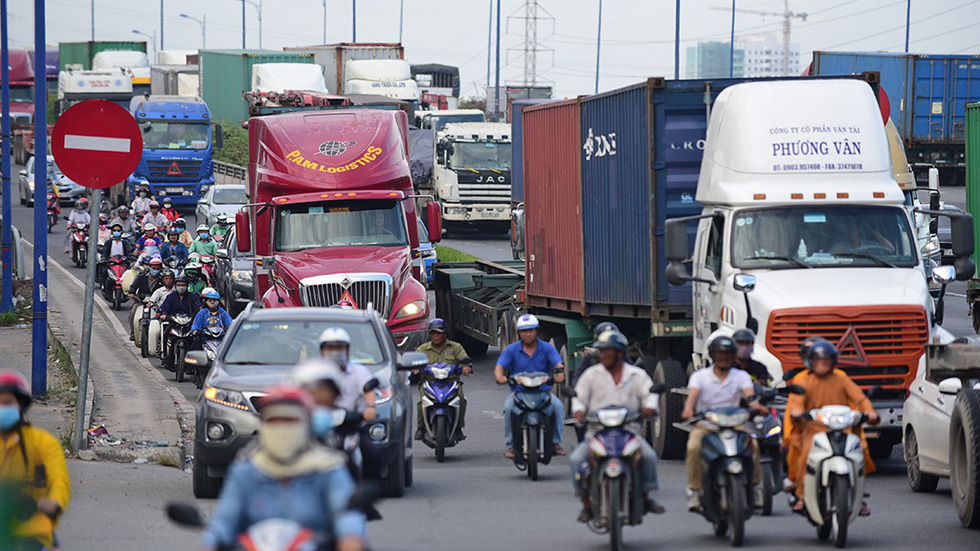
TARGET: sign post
(39,320)
(6,249)
(97,144)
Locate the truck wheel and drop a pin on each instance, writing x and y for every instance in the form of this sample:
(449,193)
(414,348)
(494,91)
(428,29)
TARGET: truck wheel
(205,487)
(964,457)
(881,448)
(976,319)
(670,442)
(918,481)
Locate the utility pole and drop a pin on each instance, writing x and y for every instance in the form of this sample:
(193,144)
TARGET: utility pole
(731,46)
(354,21)
(787,16)
(598,44)
(93,21)
(489,42)
(161,25)
(324,21)
(533,14)
(243,24)
(908,17)
(401,20)
(39,322)
(496,85)
(677,40)
(7,300)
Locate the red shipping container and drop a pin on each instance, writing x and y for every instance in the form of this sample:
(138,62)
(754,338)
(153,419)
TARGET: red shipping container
(553,206)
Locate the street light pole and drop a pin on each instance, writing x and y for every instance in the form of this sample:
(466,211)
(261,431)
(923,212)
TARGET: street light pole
(204,28)
(93,21)
(161,24)
(39,322)
(153,40)
(7,297)
(401,20)
(598,45)
(496,85)
(324,21)
(489,42)
(677,40)
(731,46)
(908,16)
(243,24)
(354,21)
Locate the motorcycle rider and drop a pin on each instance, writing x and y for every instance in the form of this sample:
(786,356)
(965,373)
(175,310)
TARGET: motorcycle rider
(117,246)
(155,217)
(745,343)
(169,211)
(614,382)
(213,315)
(219,229)
(173,247)
(204,244)
(335,345)
(78,215)
(530,355)
(589,359)
(718,386)
(128,223)
(163,291)
(180,302)
(143,286)
(185,236)
(441,349)
(141,204)
(104,232)
(149,232)
(32,461)
(287,474)
(824,386)
(195,278)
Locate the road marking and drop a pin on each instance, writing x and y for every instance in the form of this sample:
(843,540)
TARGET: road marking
(97,143)
(955,295)
(495,415)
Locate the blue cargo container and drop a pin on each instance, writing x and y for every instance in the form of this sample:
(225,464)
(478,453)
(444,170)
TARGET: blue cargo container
(517,137)
(641,156)
(928,96)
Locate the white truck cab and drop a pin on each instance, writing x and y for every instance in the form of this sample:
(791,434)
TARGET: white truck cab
(436,119)
(471,174)
(804,232)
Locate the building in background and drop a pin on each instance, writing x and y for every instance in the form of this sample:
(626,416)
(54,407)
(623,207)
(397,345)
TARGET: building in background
(755,56)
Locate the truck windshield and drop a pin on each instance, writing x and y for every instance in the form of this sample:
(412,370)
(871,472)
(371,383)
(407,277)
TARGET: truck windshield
(481,155)
(174,135)
(822,236)
(340,224)
(23,94)
(286,343)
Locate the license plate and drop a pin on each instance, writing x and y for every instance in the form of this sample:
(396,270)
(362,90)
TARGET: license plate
(174,189)
(490,214)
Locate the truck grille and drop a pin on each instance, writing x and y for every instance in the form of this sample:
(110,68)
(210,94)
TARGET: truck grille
(879,345)
(484,193)
(325,291)
(174,171)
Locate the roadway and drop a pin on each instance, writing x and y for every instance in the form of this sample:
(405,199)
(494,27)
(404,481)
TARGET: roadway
(478,500)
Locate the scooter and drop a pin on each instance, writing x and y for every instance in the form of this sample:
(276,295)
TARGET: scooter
(833,486)
(726,467)
(210,341)
(52,211)
(207,267)
(439,396)
(180,337)
(112,285)
(174,264)
(79,244)
(145,316)
(533,435)
(769,436)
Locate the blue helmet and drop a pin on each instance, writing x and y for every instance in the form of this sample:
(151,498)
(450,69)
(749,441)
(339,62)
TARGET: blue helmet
(820,348)
(438,325)
(210,293)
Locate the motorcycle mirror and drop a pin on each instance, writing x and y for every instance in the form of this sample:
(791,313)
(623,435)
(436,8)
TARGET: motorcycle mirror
(796,389)
(185,514)
(789,375)
(373,384)
(658,388)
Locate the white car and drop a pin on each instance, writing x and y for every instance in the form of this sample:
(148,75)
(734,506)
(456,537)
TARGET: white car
(220,199)
(928,410)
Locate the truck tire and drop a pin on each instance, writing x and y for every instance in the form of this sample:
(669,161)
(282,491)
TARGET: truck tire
(670,442)
(964,457)
(474,347)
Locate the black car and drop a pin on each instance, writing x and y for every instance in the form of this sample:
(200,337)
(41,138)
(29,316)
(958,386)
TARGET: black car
(258,352)
(233,275)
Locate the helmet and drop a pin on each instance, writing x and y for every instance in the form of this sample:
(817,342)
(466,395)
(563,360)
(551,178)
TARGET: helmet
(103,219)
(167,273)
(334,336)
(721,343)
(167,202)
(173,231)
(438,325)
(527,321)
(81,204)
(612,339)
(154,204)
(286,395)
(13,382)
(744,335)
(149,227)
(314,371)
(155,261)
(181,279)
(116,225)
(144,187)
(193,257)
(207,259)
(222,218)
(603,327)
(180,222)
(820,348)
(805,346)
(210,292)
(122,209)
(203,227)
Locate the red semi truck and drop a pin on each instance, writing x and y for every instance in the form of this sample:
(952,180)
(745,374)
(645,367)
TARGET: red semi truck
(332,218)
(21,105)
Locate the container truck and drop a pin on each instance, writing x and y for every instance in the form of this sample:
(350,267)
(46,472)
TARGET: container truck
(516,117)
(179,140)
(21,73)
(227,74)
(175,80)
(390,78)
(51,69)
(332,215)
(471,174)
(438,85)
(177,57)
(927,94)
(79,55)
(137,63)
(435,119)
(333,59)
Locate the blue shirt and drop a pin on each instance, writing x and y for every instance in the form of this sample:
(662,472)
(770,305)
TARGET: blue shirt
(206,318)
(317,500)
(169,249)
(515,360)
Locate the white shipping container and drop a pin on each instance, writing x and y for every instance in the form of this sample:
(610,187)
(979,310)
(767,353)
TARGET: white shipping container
(333,58)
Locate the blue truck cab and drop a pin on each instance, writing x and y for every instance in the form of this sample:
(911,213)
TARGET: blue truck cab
(178,143)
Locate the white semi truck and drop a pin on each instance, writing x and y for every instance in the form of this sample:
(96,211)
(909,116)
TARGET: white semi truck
(471,174)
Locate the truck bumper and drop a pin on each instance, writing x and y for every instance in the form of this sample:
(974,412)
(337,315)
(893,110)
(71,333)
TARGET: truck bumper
(408,341)
(890,412)
(181,193)
(455,212)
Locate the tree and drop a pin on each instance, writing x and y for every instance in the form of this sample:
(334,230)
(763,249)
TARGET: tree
(234,150)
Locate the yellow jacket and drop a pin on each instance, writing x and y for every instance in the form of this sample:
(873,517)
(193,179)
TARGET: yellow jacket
(53,482)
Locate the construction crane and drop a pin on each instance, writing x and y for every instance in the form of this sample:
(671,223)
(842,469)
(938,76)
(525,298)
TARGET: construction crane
(787,16)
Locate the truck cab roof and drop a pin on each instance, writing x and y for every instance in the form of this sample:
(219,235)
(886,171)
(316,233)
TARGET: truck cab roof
(103,82)
(476,130)
(169,107)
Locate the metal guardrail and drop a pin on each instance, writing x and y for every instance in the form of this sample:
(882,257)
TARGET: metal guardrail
(227,173)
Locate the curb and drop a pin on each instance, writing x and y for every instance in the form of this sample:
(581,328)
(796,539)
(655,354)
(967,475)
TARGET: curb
(55,334)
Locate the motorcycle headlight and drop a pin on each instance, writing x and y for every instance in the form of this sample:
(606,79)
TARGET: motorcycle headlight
(612,417)
(411,310)
(378,432)
(531,381)
(631,447)
(228,398)
(241,276)
(727,420)
(774,431)
(440,373)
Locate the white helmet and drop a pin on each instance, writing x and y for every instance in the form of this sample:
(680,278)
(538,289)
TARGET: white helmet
(527,321)
(334,336)
(314,371)
(148,227)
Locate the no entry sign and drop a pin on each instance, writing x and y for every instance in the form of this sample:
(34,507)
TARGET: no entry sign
(97,143)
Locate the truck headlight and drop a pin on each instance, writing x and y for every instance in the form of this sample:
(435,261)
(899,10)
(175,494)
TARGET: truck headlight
(241,276)
(411,310)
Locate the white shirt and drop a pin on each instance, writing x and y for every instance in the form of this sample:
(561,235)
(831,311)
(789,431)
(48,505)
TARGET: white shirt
(79,216)
(141,205)
(160,295)
(597,389)
(352,394)
(159,220)
(117,248)
(713,393)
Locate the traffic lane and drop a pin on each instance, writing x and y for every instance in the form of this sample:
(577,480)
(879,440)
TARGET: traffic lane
(481,244)
(479,500)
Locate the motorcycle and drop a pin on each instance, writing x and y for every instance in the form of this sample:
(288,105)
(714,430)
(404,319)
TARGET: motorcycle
(533,434)
(439,395)
(146,313)
(112,285)
(180,336)
(79,244)
(769,436)
(833,486)
(174,264)
(273,534)
(52,211)
(727,463)
(210,341)
(207,268)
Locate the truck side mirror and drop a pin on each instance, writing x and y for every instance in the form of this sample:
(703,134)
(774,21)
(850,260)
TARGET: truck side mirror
(433,214)
(962,233)
(219,137)
(243,232)
(744,283)
(675,239)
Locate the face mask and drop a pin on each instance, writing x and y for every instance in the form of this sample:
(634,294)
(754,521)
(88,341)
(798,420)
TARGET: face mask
(142,194)
(284,441)
(154,272)
(117,234)
(321,421)
(9,417)
(744,352)
(339,356)
(203,236)
(212,304)
(181,290)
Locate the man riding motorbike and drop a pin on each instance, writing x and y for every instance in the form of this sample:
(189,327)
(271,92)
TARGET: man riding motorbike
(173,247)
(141,204)
(530,354)
(717,386)
(745,342)
(222,226)
(614,382)
(143,286)
(213,315)
(128,223)
(163,291)
(116,246)
(32,464)
(824,386)
(169,211)
(179,302)
(203,244)
(155,217)
(149,232)
(287,475)
(440,349)
(185,236)
(78,215)
(195,277)
(590,357)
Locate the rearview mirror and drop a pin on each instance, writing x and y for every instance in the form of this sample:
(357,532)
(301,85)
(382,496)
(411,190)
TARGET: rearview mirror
(410,361)
(433,214)
(745,283)
(243,232)
(961,227)
(219,137)
(944,275)
(796,389)
(197,358)
(675,240)
(373,384)
(950,386)
(23,172)
(658,388)
(221,253)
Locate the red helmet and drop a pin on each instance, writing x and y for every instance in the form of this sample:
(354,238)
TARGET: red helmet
(11,381)
(286,395)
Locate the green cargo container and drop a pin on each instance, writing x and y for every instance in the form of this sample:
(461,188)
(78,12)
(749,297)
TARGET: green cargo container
(227,74)
(973,174)
(81,53)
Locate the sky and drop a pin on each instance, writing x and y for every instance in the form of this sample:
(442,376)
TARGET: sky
(637,35)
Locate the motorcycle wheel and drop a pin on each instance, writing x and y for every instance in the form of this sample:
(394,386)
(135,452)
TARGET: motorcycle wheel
(736,510)
(144,340)
(532,456)
(441,438)
(842,509)
(767,490)
(721,527)
(117,299)
(823,531)
(179,361)
(615,515)
(82,260)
